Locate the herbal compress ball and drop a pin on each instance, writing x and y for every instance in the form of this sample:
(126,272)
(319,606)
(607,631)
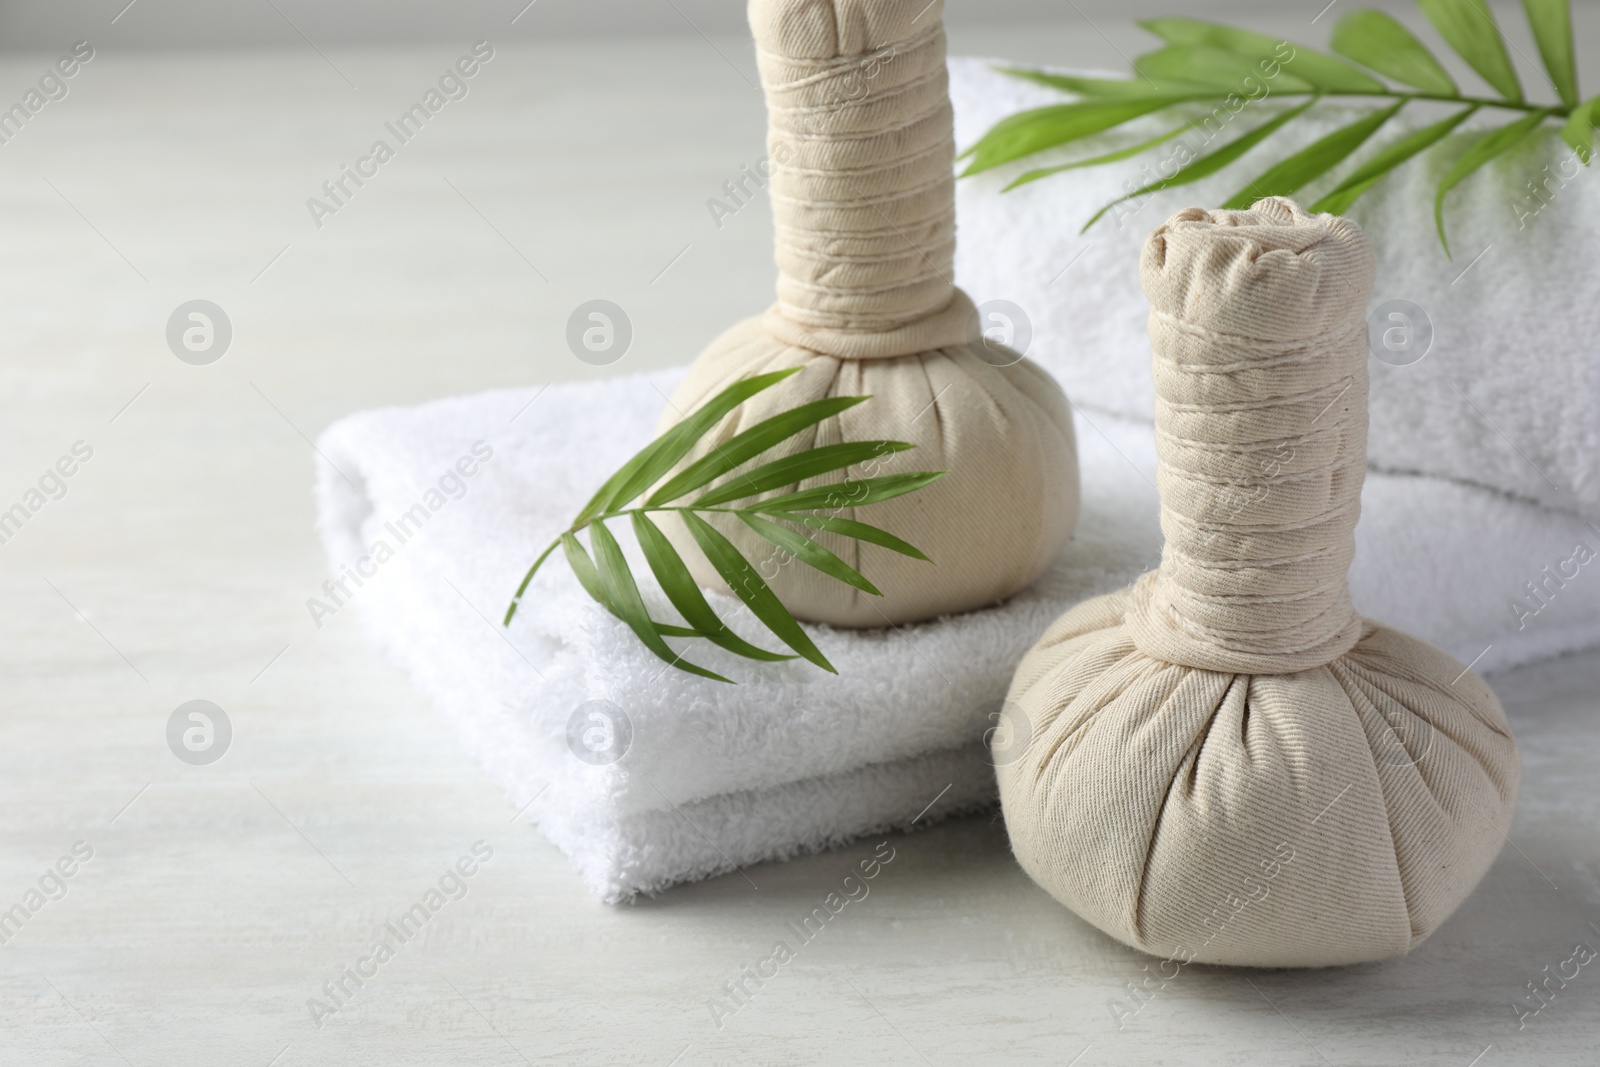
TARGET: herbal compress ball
(1224,762)
(860,156)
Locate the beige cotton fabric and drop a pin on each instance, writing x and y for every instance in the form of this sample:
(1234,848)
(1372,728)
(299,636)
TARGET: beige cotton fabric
(862,186)
(1225,763)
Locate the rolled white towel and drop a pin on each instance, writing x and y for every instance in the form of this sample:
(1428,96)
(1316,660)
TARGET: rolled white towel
(462,493)
(1508,397)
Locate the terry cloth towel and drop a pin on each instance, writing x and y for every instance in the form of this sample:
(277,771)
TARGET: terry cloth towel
(1508,397)
(712,776)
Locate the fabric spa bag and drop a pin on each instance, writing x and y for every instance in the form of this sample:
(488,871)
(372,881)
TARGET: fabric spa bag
(1224,763)
(862,185)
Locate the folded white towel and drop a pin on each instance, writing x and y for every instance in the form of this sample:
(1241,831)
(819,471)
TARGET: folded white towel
(718,776)
(1509,395)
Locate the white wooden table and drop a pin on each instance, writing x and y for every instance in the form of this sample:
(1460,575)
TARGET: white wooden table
(219,899)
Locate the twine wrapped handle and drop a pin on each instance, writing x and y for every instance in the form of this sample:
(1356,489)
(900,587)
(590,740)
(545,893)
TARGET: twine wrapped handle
(861,145)
(1257,328)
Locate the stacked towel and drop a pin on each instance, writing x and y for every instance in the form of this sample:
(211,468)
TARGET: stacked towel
(440,508)
(1509,395)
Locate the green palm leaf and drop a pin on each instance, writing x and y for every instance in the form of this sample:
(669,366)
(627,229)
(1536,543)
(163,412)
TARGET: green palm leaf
(660,455)
(1551,22)
(1313,161)
(1486,148)
(1470,28)
(607,579)
(1578,130)
(749,444)
(620,595)
(676,581)
(1367,175)
(583,567)
(1379,42)
(1319,70)
(1206,59)
(1207,165)
(1109,157)
(851,494)
(808,552)
(811,463)
(1048,127)
(748,586)
(857,530)
(666,629)
(1216,68)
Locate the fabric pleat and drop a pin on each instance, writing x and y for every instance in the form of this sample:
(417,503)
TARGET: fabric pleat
(1225,763)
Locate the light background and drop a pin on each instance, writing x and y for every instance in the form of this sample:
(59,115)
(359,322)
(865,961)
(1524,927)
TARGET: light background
(204,23)
(178,565)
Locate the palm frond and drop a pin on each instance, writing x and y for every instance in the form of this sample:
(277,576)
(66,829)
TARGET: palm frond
(1551,22)
(606,575)
(1367,175)
(1486,148)
(1207,165)
(1028,132)
(1313,161)
(1378,41)
(1372,57)
(1578,131)
(1318,69)
(1218,69)
(1469,27)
